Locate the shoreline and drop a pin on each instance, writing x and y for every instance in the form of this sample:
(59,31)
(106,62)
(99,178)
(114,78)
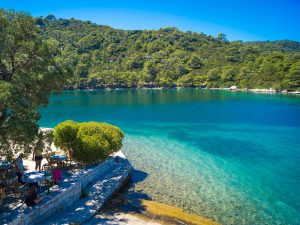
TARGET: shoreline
(125,203)
(252,90)
(129,206)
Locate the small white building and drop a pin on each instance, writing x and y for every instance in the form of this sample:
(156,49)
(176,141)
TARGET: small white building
(233,88)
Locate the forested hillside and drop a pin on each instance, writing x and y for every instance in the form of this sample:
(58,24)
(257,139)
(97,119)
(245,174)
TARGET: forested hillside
(100,56)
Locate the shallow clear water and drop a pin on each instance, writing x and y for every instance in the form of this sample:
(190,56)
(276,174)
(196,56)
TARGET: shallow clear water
(230,156)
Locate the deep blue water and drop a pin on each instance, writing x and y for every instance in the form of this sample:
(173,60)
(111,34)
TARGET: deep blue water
(230,156)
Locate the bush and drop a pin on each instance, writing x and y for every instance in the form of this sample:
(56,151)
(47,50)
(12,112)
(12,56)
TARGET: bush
(65,135)
(88,142)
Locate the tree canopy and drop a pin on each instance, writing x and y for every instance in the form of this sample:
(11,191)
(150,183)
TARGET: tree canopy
(88,142)
(101,56)
(28,74)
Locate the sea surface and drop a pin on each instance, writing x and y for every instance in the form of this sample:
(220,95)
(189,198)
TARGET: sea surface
(229,156)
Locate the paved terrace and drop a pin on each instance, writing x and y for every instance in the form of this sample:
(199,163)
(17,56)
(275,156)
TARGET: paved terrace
(101,180)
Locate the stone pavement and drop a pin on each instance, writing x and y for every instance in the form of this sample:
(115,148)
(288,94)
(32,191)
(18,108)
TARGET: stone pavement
(64,205)
(97,193)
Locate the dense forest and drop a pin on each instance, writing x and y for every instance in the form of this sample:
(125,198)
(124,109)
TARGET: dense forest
(100,56)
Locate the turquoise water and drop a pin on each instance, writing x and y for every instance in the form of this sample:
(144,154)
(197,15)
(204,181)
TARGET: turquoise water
(230,156)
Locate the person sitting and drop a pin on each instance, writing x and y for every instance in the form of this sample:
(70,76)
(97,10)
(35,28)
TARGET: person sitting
(19,168)
(31,198)
(57,175)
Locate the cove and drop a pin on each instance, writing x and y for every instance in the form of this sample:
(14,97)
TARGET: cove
(229,156)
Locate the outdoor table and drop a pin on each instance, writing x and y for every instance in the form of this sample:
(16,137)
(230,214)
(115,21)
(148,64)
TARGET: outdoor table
(59,157)
(35,177)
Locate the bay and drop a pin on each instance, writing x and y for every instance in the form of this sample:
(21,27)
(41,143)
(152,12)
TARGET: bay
(229,156)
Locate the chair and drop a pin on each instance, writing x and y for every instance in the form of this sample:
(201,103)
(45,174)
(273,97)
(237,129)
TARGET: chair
(3,174)
(48,166)
(2,194)
(68,164)
(47,182)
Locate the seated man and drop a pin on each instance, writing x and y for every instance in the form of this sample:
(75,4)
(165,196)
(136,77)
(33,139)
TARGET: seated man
(31,198)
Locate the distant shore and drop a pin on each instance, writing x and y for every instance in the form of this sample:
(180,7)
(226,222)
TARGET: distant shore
(233,88)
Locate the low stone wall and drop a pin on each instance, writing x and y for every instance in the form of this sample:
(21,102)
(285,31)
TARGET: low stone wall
(66,194)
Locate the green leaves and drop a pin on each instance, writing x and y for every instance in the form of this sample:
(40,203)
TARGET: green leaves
(293,77)
(89,141)
(195,62)
(104,57)
(28,75)
(6,89)
(65,133)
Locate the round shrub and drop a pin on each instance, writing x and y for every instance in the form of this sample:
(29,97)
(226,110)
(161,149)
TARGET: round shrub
(65,134)
(90,141)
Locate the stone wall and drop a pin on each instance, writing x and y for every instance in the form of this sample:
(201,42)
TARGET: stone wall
(66,194)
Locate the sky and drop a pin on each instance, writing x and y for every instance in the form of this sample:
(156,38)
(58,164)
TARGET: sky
(247,20)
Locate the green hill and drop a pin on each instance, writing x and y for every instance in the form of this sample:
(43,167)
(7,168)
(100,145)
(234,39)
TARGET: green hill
(100,56)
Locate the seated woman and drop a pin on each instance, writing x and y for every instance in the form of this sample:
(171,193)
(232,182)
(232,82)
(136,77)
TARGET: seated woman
(57,175)
(31,198)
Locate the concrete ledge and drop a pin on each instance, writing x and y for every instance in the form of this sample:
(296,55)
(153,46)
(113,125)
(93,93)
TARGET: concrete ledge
(98,193)
(69,192)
